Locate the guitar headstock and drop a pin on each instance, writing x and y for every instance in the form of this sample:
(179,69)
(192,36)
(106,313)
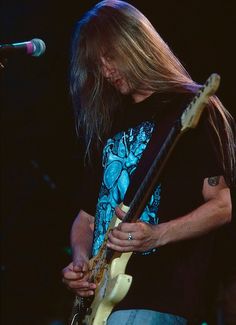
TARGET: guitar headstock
(192,114)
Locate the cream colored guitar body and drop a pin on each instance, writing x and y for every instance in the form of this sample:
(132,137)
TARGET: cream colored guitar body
(113,288)
(111,280)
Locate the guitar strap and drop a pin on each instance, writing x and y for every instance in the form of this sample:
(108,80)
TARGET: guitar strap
(171,107)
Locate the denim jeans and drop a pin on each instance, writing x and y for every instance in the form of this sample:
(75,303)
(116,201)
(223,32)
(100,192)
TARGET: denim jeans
(144,317)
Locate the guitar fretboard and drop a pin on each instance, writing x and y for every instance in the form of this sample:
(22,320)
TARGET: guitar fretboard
(152,177)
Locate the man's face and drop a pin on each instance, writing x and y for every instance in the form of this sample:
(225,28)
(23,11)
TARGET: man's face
(111,72)
(114,76)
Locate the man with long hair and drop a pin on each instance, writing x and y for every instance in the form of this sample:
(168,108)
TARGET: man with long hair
(125,84)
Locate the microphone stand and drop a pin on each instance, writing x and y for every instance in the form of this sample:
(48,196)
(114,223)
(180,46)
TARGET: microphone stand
(3,62)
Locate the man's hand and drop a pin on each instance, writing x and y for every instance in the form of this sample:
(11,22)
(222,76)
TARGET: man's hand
(76,278)
(138,236)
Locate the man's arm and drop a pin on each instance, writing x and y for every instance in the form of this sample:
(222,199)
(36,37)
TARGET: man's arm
(82,236)
(215,212)
(76,275)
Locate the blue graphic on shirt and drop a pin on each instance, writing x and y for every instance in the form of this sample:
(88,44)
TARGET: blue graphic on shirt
(121,155)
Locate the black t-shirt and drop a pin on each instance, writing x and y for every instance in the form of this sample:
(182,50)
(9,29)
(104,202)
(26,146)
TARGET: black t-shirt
(176,278)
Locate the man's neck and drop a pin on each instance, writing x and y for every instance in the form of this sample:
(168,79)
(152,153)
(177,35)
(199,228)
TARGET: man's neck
(139,96)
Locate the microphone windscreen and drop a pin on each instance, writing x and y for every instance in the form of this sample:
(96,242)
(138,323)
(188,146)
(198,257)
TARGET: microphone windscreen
(39,47)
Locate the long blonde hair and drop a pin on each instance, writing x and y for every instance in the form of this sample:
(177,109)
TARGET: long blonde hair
(143,58)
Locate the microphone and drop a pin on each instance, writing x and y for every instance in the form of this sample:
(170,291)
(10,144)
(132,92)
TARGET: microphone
(35,47)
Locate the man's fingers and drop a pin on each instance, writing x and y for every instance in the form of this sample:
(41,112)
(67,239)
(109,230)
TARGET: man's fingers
(84,294)
(118,248)
(81,288)
(71,276)
(120,214)
(80,266)
(125,243)
(76,277)
(81,285)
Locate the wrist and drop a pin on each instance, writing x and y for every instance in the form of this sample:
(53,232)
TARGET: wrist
(162,234)
(79,254)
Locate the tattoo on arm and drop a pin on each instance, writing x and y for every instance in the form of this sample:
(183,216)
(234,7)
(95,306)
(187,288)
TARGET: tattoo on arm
(213,181)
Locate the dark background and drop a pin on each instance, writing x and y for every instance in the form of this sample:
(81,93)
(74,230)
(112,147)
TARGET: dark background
(41,161)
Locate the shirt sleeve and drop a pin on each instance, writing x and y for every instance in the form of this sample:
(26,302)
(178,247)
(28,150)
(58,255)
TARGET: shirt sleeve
(195,157)
(208,147)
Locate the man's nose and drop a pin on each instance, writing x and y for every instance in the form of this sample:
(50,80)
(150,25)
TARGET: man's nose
(107,71)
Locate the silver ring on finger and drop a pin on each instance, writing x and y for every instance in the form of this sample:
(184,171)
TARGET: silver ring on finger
(130,237)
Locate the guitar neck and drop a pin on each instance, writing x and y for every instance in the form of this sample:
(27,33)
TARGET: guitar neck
(189,119)
(153,175)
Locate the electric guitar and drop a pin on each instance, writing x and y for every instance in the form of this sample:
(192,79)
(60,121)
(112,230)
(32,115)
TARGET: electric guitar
(107,268)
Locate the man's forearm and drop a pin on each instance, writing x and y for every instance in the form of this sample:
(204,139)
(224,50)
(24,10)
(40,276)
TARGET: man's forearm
(82,235)
(207,217)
